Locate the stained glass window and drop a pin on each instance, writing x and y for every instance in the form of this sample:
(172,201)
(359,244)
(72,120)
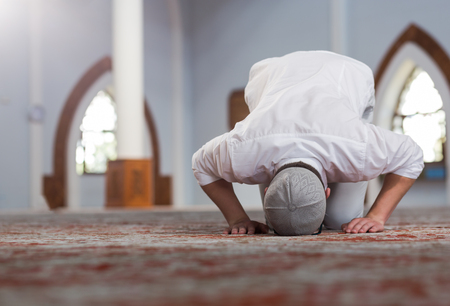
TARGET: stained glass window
(98,139)
(420,115)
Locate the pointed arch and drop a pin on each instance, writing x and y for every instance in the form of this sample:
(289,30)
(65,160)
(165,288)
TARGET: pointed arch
(426,42)
(413,47)
(55,189)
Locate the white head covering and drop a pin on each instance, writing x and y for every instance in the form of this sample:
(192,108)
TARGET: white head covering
(295,202)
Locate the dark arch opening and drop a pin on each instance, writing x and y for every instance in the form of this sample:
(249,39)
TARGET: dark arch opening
(55,190)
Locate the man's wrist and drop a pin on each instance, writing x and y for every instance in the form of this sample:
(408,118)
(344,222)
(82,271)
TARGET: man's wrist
(238,220)
(374,217)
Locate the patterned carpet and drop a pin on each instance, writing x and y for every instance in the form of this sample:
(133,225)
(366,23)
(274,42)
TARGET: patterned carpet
(180,258)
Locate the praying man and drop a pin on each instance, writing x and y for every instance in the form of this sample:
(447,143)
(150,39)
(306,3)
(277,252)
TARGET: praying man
(310,145)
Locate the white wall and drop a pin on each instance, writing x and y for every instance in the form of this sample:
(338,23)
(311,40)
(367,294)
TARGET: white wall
(158,75)
(189,181)
(223,38)
(235,34)
(375,25)
(227,38)
(14,99)
(76,34)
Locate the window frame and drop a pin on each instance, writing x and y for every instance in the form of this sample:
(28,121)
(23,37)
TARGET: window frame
(107,92)
(427,165)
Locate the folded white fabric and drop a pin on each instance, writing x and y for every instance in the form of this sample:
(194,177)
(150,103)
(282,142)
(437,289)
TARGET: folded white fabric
(295,202)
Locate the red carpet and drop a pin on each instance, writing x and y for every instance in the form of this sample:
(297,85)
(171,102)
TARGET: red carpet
(180,258)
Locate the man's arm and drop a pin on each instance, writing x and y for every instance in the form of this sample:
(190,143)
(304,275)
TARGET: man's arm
(401,159)
(210,165)
(393,190)
(222,194)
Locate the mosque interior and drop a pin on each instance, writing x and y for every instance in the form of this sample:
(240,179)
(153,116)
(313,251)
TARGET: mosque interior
(104,102)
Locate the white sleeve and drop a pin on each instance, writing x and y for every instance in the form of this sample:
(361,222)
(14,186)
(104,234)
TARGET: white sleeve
(211,161)
(388,152)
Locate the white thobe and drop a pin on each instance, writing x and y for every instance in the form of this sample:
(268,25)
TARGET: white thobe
(312,107)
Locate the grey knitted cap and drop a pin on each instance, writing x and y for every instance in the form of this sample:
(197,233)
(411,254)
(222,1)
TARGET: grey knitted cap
(295,202)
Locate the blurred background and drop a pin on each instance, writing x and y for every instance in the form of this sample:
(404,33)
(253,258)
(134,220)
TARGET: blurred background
(60,80)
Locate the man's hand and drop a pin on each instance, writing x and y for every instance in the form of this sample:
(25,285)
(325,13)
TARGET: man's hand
(394,188)
(247,227)
(362,225)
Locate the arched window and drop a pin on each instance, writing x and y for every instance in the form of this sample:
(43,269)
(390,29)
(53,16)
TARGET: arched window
(419,114)
(98,139)
(416,68)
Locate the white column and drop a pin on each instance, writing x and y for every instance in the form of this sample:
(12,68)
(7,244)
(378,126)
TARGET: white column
(178,190)
(128,77)
(339,29)
(36,109)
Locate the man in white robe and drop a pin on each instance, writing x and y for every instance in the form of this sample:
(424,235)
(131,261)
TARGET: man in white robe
(311,107)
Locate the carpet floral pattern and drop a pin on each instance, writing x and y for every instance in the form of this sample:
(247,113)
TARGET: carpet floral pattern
(181,258)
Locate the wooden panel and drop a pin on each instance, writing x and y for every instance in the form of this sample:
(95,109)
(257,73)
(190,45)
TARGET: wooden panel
(163,190)
(129,183)
(54,191)
(237,108)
